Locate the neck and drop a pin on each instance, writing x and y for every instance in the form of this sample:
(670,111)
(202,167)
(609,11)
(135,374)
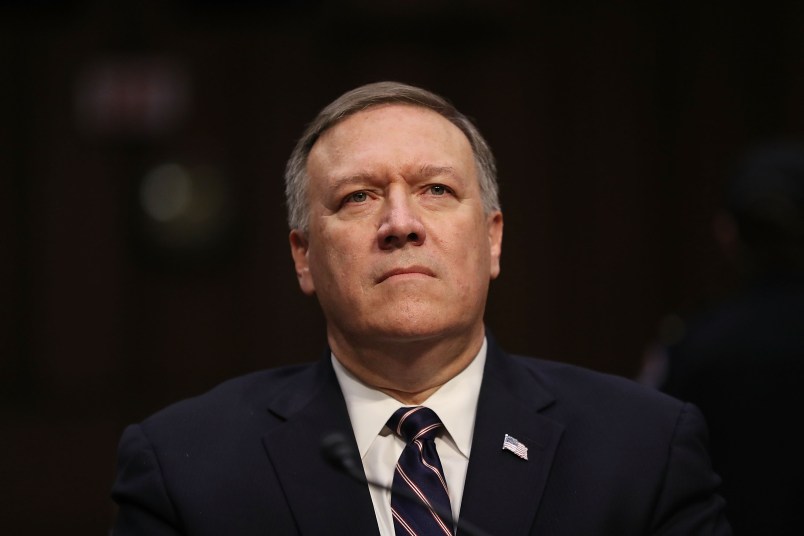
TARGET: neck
(409,371)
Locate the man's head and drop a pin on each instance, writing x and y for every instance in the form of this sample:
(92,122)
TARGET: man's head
(395,230)
(358,99)
(763,218)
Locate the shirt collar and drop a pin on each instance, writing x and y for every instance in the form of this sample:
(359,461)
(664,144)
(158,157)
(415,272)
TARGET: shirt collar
(455,403)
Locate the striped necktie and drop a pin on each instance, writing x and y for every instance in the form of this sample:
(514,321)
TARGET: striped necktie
(419,471)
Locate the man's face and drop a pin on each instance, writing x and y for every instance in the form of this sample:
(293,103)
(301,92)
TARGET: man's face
(398,246)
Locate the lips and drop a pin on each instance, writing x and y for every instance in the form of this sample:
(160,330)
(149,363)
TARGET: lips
(421,270)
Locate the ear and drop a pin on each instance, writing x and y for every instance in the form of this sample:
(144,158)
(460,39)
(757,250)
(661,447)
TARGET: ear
(300,249)
(495,228)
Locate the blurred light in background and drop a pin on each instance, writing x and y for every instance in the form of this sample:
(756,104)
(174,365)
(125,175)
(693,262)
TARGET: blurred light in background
(166,193)
(184,210)
(142,96)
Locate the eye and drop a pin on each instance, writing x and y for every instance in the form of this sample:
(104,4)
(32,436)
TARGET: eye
(439,189)
(356,197)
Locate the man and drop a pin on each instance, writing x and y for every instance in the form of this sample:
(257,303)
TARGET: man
(740,360)
(396,228)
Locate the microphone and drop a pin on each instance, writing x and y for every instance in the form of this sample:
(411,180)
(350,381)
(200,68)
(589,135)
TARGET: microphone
(337,450)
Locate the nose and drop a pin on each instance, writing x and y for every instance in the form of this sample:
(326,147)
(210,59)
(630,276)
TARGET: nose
(400,224)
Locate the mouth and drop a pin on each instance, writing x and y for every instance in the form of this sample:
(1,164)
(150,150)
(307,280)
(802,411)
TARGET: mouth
(412,271)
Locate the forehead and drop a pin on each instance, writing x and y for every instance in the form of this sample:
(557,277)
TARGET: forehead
(394,134)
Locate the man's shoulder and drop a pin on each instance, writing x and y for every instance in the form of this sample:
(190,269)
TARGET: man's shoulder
(582,385)
(234,402)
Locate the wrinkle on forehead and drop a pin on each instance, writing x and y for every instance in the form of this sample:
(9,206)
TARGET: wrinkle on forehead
(390,143)
(424,172)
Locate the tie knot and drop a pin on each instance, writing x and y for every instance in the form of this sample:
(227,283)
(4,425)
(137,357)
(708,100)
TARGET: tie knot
(411,423)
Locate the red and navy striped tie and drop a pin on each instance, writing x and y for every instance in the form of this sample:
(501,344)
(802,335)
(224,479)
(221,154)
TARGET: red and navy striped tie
(419,471)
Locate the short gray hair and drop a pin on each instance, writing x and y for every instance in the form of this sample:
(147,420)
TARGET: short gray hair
(360,99)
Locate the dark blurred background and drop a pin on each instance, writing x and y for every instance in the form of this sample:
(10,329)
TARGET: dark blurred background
(143,244)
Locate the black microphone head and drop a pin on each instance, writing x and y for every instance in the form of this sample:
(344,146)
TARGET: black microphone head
(336,449)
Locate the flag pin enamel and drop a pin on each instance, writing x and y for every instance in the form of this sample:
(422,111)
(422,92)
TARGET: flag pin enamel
(513,444)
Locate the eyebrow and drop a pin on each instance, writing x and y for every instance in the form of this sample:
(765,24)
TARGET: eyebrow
(426,171)
(357,178)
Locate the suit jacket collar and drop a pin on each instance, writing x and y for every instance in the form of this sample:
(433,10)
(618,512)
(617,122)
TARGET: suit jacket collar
(502,491)
(312,406)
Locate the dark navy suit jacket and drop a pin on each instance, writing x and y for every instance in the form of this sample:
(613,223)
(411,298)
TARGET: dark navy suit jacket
(606,456)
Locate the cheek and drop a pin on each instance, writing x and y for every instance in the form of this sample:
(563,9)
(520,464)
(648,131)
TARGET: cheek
(469,264)
(479,244)
(334,259)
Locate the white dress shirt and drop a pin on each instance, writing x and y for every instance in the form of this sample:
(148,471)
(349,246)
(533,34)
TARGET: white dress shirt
(455,403)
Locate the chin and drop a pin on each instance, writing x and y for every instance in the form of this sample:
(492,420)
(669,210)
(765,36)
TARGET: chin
(410,326)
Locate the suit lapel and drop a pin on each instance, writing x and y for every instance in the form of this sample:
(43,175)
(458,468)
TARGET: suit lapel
(323,500)
(502,491)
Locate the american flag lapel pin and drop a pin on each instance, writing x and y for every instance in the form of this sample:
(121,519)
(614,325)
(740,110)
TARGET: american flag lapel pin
(513,444)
